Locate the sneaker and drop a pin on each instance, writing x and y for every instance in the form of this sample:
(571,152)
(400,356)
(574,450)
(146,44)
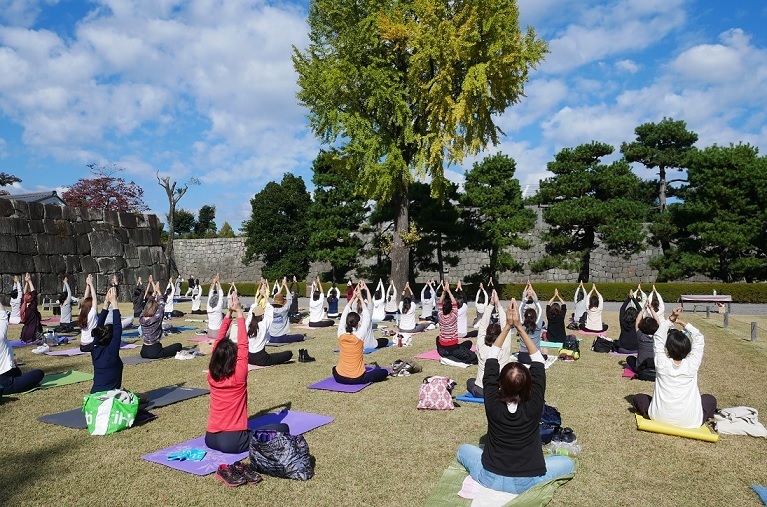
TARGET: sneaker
(568,436)
(42,349)
(184,355)
(247,472)
(229,476)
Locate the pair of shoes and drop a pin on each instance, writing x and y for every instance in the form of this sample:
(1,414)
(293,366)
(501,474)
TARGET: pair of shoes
(247,472)
(42,349)
(304,357)
(230,476)
(184,355)
(201,333)
(565,435)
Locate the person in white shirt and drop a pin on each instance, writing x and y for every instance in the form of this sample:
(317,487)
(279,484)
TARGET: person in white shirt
(428,301)
(279,331)
(88,317)
(594,322)
(379,298)
(676,399)
(257,323)
(486,337)
(364,307)
(463,314)
(213,307)
(656,301)
(196,297)
(65,303)
(480,303)
(407,310)
(12,381)
(391,305)
(177,288)
(317,306)
(190,287)
(16,295)
(169,295)
(581,303)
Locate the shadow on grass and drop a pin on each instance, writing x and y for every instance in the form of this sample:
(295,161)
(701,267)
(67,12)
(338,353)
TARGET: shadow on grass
(23,468)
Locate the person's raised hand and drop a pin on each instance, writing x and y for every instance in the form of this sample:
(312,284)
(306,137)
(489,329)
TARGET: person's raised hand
(512,314)
(15,278)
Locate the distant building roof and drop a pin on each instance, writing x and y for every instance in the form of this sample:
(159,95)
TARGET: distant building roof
(42,197)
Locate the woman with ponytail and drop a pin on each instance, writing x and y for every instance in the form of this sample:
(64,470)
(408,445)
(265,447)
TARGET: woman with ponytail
(30,315)
(351,366)
(407,309)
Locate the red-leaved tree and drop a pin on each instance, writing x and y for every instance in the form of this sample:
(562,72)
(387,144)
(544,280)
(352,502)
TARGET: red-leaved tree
(106,191)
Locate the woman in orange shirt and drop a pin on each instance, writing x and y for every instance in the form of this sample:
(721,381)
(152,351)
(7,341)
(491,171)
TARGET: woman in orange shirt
(351,367)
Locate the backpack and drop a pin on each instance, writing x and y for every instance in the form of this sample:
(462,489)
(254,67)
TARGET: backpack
(280,454)
(571,350)
(602,345)
(435,393)
(551,421)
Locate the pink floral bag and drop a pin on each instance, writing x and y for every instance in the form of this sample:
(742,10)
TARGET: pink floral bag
(435,393)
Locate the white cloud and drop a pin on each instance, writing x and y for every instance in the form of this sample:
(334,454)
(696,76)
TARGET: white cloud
(21,12)
(627,66)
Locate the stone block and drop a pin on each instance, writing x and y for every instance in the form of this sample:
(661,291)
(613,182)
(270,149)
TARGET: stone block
(83,243)
(73,263)
(36,211)
(21,209)
(54,212)
(82,227)
(131,251)
(144,255)
(112,217)
(42,264)
(58,263)
(122,234)
(105,244)
(127,220)
(19,226)
(6,208)
(8,243)
(26,245)
(92,215)
(154,222)
(88,264)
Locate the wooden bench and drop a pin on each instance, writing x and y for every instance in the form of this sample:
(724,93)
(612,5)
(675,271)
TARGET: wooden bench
(706,300)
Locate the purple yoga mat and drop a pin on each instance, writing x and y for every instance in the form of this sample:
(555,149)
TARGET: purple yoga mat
(299,422)
(19,343)
(330,384)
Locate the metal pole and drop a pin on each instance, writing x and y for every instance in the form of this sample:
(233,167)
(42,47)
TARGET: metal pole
(707,311)
(726,319)
(753,331)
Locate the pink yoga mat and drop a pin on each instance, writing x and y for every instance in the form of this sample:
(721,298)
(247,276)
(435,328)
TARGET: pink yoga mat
(199,339)
(299,423)
(434,355)
(601,333)
(627,373)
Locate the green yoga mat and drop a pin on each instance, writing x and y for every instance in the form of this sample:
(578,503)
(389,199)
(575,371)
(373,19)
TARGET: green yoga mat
(63,379)
(445,493)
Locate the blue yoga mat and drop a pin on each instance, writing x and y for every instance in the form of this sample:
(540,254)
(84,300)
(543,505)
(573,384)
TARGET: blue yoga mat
(371,350)
(469,398)
(761,491)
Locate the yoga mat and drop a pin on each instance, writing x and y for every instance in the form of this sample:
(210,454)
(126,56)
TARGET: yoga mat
(157,398)
(130,334)
(434,355)
(601,333)
(185,328)
(551,345)
(761,492)
(470,398)
(137,359)
(702,433)
(62,379)
(445,492)
(199,339)
(299,423)
(330,384)
(623,355)
(19,343)
(50,319)
(77,351)
(627,372)
(195,320)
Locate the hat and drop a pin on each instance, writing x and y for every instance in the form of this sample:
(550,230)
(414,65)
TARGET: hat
(279,300)
(257,311)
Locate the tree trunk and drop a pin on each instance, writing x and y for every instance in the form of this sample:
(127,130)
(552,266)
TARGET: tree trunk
(400,252)
(171,232)
(439,254)
(662,188)
(588,240)
(493,263)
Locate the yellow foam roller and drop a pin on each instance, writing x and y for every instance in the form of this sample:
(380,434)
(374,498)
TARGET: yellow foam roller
(702,433)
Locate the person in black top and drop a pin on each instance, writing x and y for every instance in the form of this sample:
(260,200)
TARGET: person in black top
(555,319)
(512,460)
(627,341)
(107,365)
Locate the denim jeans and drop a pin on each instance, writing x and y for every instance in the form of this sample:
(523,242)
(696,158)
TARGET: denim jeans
(470,456)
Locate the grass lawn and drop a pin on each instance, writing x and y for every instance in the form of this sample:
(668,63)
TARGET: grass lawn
(380,450)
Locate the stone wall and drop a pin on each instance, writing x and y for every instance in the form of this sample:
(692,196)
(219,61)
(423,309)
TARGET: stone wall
(205,257)
(49,241)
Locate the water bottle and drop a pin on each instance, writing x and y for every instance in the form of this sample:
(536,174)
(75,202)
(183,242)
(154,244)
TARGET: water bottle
(565,449)
(399,340)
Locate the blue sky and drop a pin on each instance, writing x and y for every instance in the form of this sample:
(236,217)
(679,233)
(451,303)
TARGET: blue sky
(206,88)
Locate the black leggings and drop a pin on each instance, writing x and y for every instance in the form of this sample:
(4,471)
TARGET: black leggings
(473,388)
(157,351)
(461,352)
(230,442)
(642,402)
(263,358)
(13,381)
(374,375)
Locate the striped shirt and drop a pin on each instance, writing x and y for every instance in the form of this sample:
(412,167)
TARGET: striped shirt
(448,328)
